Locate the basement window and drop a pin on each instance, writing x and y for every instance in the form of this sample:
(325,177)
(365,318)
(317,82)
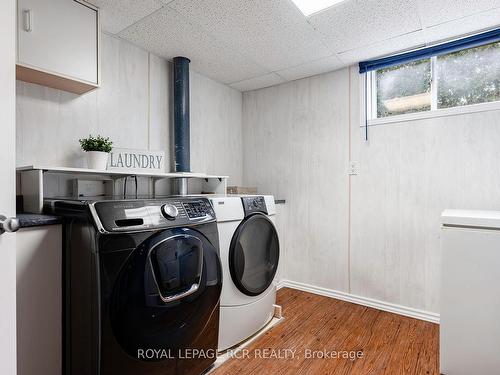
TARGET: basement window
(404,88)
(459,80)
(469,76)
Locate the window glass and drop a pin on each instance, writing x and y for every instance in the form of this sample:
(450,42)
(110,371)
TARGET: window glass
(469,76)
(404,88)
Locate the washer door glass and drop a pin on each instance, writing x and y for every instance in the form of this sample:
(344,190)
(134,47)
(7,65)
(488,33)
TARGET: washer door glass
(165,293)
(254,255)
(176,267)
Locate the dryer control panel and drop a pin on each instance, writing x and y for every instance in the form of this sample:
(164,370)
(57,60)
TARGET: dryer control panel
(254,204)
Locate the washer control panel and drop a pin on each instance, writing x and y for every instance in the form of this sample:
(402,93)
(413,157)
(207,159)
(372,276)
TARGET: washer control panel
(169,211)
(198,209)
(254,204)
(135,215)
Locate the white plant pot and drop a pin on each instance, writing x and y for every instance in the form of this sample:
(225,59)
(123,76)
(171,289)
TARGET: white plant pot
(97,160)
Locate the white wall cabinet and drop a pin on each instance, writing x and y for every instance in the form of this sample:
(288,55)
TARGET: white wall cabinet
(58,44)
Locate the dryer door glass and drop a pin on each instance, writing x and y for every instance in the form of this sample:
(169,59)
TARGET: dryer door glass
(254,255)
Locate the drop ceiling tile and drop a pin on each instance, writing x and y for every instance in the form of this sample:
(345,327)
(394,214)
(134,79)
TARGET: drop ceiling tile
(467,25)
(356,23)
(433,12)
(167,34)
(116,15)
(273,32)
(240,42)
(387,47)
(312,68)
(258,82)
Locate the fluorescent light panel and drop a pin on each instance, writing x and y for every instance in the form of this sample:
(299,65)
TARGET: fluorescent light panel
(309,7)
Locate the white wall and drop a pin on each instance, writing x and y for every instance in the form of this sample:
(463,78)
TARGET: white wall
(134,108)
(296,147)
(296,139)
(411,172)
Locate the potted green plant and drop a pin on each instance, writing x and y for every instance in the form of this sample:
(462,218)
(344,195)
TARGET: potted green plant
(97,149)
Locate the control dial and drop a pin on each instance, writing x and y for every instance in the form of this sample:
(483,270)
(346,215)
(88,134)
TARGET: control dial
(169,211)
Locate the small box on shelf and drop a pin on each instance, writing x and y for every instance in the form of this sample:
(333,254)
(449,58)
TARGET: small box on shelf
(241,190)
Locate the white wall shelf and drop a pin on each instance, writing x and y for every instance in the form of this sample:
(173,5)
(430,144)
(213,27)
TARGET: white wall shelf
(68,170)
(32,181)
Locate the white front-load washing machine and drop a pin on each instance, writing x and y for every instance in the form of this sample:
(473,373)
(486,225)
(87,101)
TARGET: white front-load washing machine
(249,251)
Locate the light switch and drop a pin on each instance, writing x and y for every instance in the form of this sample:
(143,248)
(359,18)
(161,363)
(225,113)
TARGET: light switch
(353,168)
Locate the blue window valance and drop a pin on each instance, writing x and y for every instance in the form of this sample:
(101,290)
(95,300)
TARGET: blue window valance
(438,49)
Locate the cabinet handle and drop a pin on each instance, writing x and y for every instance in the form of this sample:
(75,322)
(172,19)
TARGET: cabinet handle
(28,23)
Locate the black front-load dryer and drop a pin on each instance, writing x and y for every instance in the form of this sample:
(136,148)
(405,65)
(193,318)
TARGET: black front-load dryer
(142,286)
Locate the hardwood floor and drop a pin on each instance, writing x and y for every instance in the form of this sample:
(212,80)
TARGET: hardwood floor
(385,343)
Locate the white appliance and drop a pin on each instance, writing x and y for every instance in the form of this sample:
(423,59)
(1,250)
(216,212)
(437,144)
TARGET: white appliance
(249,251)
(470,293)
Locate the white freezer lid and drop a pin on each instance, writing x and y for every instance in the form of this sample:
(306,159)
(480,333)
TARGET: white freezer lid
(471,218)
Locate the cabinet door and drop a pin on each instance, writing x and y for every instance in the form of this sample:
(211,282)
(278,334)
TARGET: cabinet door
(39,300)
(59,37)
(470,301)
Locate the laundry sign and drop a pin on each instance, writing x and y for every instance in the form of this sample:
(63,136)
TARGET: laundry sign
(129,160)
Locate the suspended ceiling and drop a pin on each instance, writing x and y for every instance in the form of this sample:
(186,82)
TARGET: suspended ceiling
(250,44)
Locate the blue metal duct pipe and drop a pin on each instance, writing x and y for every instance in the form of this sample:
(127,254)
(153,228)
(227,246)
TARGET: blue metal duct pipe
(181,114)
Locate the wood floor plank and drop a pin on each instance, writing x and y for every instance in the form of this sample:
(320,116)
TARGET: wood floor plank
(428,359)
(376,343)
(389,343)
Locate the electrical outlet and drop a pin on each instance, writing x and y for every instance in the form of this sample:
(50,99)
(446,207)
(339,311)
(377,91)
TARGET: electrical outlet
(88,188)
(353,168)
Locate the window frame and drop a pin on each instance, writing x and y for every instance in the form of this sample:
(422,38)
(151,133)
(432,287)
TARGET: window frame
(369,109)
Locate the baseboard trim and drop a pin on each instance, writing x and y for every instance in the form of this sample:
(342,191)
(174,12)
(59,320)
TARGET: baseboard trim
(369,302)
